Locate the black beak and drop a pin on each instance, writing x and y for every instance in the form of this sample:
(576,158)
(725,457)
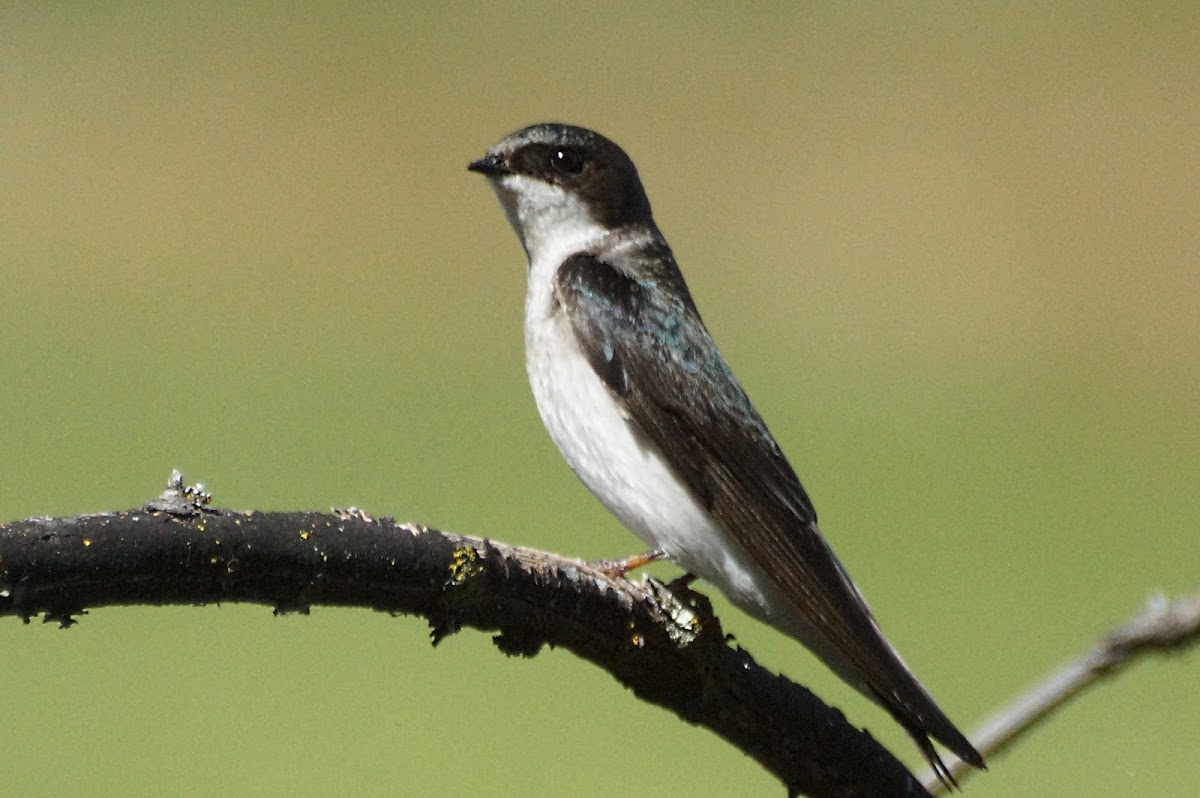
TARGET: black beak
(489,165)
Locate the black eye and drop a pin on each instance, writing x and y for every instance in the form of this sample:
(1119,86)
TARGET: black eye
(566,161)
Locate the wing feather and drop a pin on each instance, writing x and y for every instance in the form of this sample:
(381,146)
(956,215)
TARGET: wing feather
(657,358)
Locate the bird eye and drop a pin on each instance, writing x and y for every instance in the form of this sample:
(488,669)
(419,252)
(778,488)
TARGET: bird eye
(566,161)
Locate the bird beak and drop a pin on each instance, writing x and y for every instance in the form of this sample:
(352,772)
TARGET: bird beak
(490,165)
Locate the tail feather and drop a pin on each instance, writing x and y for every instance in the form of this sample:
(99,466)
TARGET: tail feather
(932,723)
(935,761)
(962,749)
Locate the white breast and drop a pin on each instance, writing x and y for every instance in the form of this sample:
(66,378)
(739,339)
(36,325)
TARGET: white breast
(614,460)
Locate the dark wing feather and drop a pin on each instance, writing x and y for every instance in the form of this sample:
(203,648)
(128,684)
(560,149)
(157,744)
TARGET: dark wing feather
(658,359)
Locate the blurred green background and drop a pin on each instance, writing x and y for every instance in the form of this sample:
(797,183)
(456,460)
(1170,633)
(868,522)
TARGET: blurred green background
(952,251)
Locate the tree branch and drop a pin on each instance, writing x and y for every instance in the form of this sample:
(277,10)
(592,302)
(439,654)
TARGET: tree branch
(662,643)
(1161,627)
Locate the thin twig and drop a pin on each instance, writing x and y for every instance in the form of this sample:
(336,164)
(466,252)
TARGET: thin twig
(1161,627)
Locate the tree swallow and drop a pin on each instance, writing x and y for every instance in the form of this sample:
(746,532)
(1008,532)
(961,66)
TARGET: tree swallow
(640,402)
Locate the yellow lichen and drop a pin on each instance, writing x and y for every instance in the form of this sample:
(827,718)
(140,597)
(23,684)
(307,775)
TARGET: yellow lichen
(464,564)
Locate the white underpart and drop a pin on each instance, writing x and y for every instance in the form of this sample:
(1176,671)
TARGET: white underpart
(598,440)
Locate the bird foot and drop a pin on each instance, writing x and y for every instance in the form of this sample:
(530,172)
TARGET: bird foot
(616,569)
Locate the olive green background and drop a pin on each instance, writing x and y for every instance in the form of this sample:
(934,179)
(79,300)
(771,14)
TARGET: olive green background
(951,250)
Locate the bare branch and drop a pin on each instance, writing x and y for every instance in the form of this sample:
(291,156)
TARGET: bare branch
(662,643)
(1161,627)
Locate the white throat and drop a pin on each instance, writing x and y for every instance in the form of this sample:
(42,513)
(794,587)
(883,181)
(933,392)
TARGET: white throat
(551,223)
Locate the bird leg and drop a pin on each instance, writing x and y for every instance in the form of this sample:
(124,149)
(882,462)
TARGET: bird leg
(616,569)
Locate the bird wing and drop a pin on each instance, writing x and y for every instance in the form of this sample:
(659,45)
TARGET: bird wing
(659,361)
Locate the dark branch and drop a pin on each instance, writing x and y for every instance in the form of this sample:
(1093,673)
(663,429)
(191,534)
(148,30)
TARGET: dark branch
(664,644)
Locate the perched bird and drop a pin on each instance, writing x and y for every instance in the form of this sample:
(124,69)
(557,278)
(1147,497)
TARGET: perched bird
(639,400)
